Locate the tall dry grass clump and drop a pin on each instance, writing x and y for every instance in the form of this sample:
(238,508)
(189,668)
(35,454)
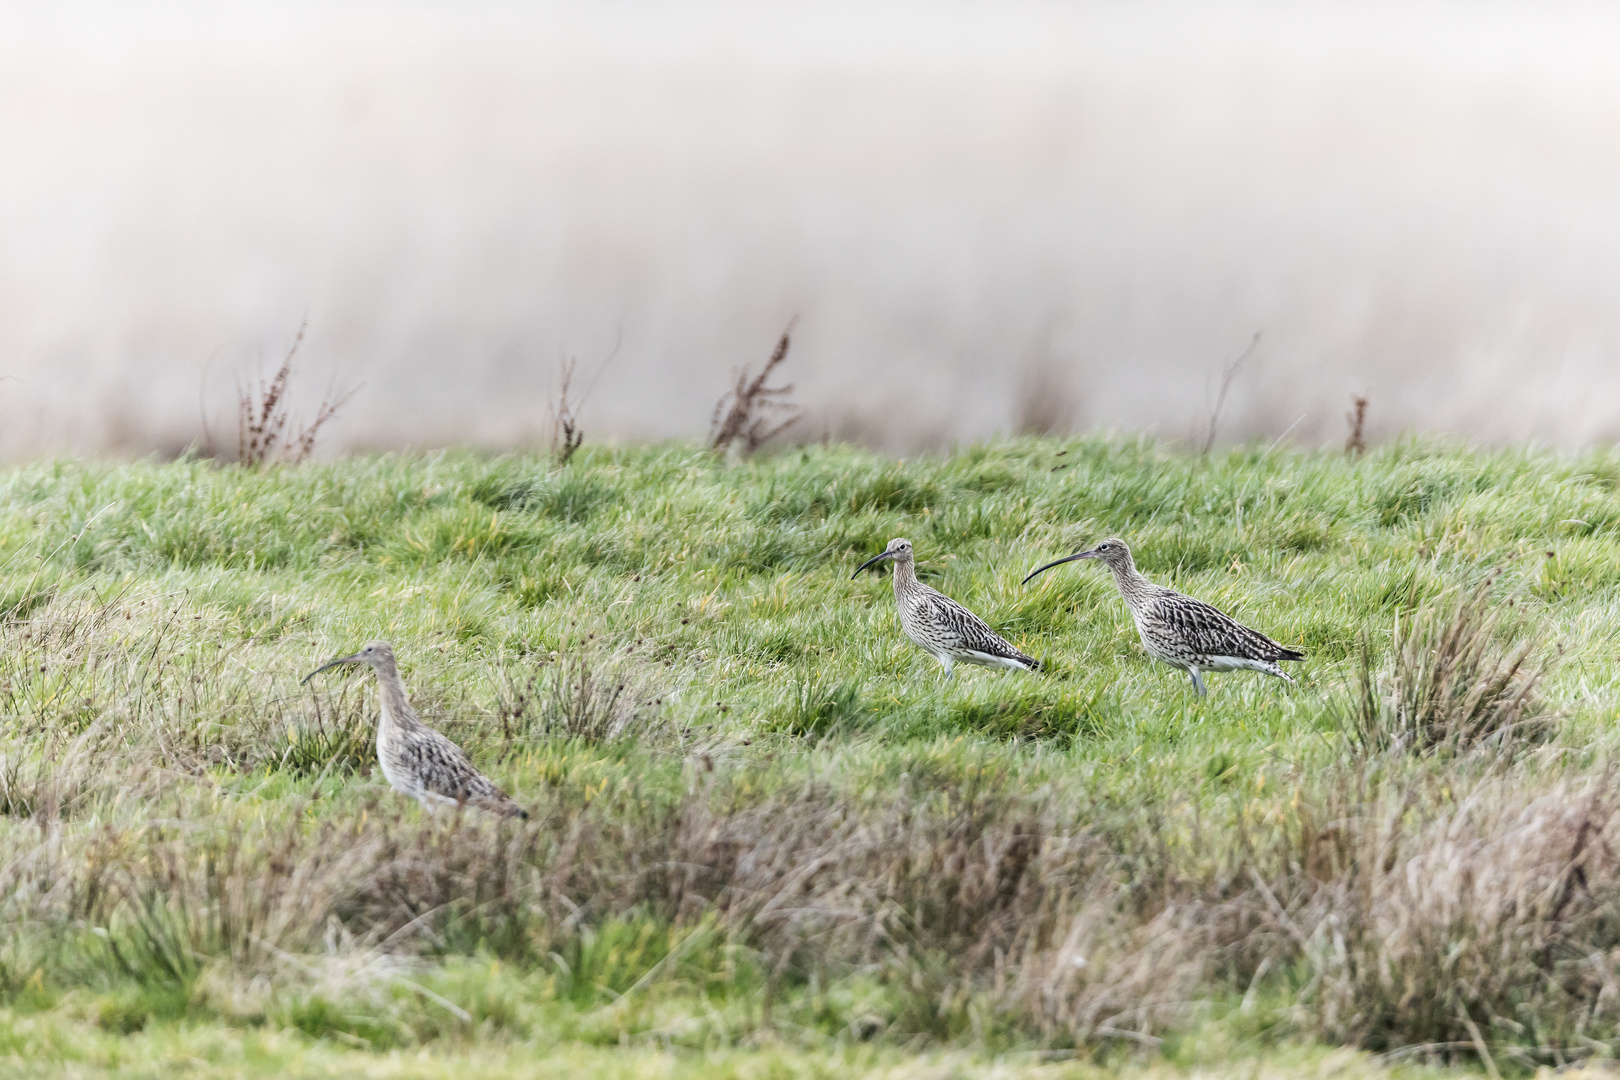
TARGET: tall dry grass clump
(1398,916)
(971,903)
(579,696)
(1439,893)
(1455,681)
(1431,915)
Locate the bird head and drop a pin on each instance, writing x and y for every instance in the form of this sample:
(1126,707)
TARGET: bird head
(378,654)
(899,550)
(1113,551)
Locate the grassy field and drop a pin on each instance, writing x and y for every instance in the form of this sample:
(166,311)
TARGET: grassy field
(768,839)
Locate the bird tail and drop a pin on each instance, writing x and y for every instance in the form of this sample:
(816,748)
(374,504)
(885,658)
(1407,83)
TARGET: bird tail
(1290,654)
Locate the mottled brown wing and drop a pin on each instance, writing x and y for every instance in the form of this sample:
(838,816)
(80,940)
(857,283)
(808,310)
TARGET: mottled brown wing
(966,630)
(444,769)
(1207,631)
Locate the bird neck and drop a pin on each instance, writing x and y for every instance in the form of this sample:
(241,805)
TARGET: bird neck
(1132,585)
(396,707)
(905,577)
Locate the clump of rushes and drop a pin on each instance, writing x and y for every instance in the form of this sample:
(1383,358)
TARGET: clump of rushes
(578,697)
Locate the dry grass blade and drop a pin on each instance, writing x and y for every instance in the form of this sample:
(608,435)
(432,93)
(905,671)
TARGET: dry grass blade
(753,411)
(1220,397)
(566,436)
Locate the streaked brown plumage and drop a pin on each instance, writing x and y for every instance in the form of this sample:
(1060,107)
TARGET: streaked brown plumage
(1181,631)
(416,760)
(946,630)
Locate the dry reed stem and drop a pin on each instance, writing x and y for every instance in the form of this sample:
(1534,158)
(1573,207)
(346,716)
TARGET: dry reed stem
(746,410)
(1226,384)
(265,429)
(1356,444)
(566,436)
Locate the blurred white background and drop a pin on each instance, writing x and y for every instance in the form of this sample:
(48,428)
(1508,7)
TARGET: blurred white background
(987,216)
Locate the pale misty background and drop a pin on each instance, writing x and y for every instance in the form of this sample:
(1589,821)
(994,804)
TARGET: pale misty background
(987,216)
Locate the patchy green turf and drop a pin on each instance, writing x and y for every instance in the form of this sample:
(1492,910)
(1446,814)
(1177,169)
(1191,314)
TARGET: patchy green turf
(768,837)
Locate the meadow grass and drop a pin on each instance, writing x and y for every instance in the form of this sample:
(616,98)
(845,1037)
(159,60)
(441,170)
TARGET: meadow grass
(767,836)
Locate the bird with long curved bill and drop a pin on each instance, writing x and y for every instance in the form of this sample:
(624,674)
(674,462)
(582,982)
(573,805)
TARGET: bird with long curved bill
(417,760)
(1179,630)
(944,629)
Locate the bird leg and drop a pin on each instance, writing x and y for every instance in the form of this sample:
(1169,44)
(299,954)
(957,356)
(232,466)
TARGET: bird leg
(1198,681)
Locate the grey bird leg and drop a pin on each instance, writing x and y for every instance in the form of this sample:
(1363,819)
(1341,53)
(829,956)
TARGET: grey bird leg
(1198,682)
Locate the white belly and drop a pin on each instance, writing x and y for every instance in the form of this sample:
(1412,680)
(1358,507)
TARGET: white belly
(1238,663)
(986,660)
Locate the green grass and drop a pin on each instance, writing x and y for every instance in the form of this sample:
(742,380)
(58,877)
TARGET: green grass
(767,836)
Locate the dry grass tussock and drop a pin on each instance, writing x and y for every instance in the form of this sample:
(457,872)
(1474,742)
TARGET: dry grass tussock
(592,697)
(1479,920)
(958,904)
(106,680)
(1475,922)
(1456,680)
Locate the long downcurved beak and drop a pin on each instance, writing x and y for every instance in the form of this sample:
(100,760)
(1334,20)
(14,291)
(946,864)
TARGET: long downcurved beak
(1059,562)
(330,663)
(874,559)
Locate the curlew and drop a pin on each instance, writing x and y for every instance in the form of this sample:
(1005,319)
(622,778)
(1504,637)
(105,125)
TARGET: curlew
(1183,632)
(417,760)
(943,628)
